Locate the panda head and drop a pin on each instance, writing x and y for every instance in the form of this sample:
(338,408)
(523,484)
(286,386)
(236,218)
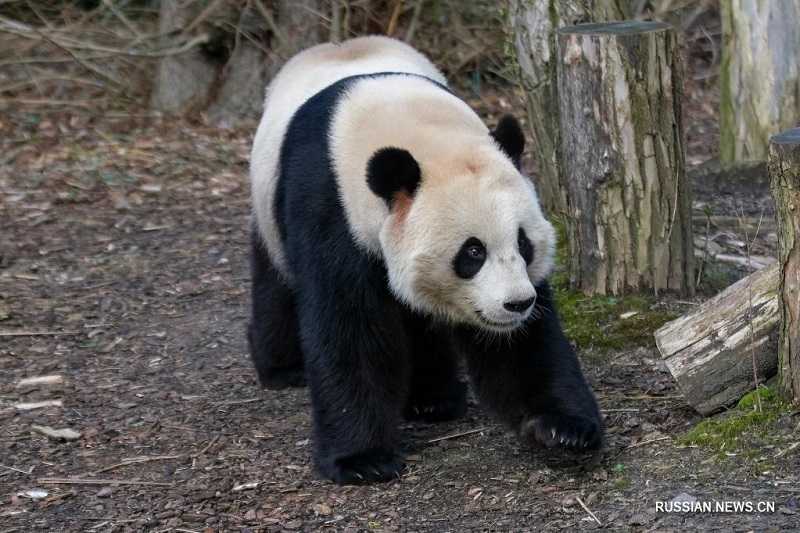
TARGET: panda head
(465,239)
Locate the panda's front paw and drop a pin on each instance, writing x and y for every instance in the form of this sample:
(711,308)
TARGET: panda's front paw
(364,467)
(579,433)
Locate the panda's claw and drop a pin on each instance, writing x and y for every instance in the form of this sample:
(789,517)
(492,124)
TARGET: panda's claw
(364,467)
(574,432)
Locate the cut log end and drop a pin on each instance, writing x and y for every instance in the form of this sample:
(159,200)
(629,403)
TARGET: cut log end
(712,350)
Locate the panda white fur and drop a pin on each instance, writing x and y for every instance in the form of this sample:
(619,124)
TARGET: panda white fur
(394,233)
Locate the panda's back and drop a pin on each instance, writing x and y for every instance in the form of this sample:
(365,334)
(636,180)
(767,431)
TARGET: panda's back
(304,76)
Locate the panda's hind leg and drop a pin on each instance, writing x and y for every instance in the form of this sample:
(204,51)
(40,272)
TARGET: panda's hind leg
(436,394)
(273,332)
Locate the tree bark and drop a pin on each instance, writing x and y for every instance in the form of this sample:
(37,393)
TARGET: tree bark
(533,23)
(628,212)
(784,171)
(760,76)
(712,351)
(181,80)
(247,44)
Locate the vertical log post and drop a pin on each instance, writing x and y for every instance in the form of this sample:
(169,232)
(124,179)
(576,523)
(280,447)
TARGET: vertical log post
(759,78)
(622,162)
(532,23)
(784,172)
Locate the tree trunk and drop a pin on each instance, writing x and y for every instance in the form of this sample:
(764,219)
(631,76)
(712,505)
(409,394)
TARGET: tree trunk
(628,212)
(713,351)
(247,43)
(760,76)
(181,80)
(533,23)
(784,171)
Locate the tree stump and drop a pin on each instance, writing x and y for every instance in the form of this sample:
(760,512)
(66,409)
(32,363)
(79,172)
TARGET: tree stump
(244,48)
(713,351)
(533,23)
(760,76)
(628,214)
(784,172)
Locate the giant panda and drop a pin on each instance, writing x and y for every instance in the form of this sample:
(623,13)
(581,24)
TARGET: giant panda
(393,236)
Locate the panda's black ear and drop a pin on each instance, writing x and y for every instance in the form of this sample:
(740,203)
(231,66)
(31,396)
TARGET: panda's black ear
(393,170)
(508,135)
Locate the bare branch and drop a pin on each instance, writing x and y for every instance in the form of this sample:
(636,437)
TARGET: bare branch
(123,18)
(283,43)
(71,44)
(201,17)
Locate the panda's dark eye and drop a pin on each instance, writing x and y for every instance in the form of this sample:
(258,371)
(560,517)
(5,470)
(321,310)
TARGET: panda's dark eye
(525,246)
(470,258)
(475,252)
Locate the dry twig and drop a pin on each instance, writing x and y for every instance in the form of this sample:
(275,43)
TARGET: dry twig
(204,450)
(645,442)
(748,250)
(88,481)
(36,333)
(588,511)
(457,435)
(139,460)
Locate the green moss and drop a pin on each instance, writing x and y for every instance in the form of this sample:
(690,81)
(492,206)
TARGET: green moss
(607,321)
(768,396)
(736,432)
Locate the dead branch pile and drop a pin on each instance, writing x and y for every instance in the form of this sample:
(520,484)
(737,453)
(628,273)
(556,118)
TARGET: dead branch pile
(55,52)
(104,53)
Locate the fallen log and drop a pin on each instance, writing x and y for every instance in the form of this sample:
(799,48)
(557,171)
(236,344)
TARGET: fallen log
(714,351)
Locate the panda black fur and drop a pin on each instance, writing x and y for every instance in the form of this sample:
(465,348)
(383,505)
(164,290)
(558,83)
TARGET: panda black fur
(393,234)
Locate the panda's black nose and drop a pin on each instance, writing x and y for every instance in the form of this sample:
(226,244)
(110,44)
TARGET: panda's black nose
(519,306)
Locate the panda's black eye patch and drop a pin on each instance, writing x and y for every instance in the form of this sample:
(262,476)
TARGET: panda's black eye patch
(470,258)
(525,246)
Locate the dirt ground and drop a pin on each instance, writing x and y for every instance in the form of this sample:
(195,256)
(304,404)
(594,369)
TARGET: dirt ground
(124,281)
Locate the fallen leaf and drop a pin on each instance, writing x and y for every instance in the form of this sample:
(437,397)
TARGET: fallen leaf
(40,380)
(320,509)
(34,494)
(38,405)
(57,434)
(245,486)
